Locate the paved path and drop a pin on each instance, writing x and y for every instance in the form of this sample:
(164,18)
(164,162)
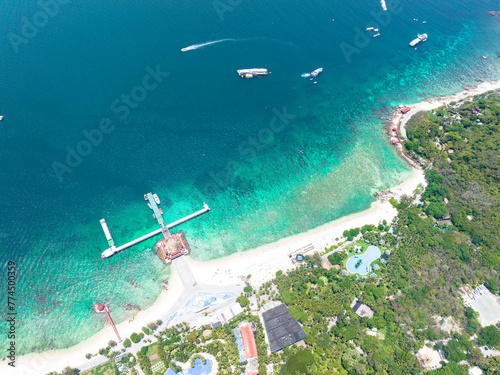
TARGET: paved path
(190,287)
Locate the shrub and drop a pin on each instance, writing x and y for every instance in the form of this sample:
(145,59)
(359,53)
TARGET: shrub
(192,336)
(146,330)
(279,273)
(335,258)
(135,337)
(380,227)
(174,367)
(111,343)
(366,228)
(88,355)
(489,336)
(127,343)
(354,232)
(298,363)
(247,289)
(394,202)
(244,301)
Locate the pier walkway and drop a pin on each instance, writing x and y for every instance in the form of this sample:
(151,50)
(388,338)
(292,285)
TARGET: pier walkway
(113,250)
(155,209)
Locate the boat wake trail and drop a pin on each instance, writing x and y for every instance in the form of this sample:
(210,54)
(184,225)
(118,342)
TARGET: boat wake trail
(196,46)
(305,75)
(201,45)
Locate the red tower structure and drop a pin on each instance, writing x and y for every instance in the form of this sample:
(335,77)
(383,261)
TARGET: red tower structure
(100,308)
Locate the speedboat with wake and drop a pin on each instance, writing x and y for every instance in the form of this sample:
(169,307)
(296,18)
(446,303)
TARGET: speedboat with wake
(313,74)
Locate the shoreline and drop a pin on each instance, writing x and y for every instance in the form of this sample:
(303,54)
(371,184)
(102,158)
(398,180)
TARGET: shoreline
(429,104)
(261,262)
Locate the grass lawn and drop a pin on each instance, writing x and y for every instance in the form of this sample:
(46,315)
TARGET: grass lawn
(108,368)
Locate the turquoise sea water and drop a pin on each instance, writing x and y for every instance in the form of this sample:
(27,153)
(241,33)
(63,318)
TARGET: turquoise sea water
(202,134)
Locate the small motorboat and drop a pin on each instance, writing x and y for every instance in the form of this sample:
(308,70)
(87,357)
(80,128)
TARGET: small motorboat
(145,197)
(315,73)
(161,211)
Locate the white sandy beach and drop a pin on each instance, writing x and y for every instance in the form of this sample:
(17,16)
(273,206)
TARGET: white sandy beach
(262,263)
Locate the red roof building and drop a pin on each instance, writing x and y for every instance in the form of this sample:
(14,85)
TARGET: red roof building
(173,247)
(405,110)
(248,341)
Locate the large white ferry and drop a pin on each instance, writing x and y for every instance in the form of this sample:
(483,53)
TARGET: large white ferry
(250,73)
(420,38)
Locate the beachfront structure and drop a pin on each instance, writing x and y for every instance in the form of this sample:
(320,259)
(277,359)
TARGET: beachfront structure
(153,202)
(281,328)
(231,312)
(100,308)
(171,248)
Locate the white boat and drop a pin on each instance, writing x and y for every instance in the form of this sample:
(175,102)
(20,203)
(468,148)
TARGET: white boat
(149,205)
(369,29)
(315,73)
(157,200)
(250,73)
(1,118)
(420,38)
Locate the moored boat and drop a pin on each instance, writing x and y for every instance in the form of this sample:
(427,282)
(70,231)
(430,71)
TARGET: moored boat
(420,38)
(157,200)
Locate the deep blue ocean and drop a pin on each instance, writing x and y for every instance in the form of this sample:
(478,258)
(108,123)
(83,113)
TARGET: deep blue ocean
(101,106)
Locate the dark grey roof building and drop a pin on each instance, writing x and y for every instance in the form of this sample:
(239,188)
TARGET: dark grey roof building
(361,309)
(281,328)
